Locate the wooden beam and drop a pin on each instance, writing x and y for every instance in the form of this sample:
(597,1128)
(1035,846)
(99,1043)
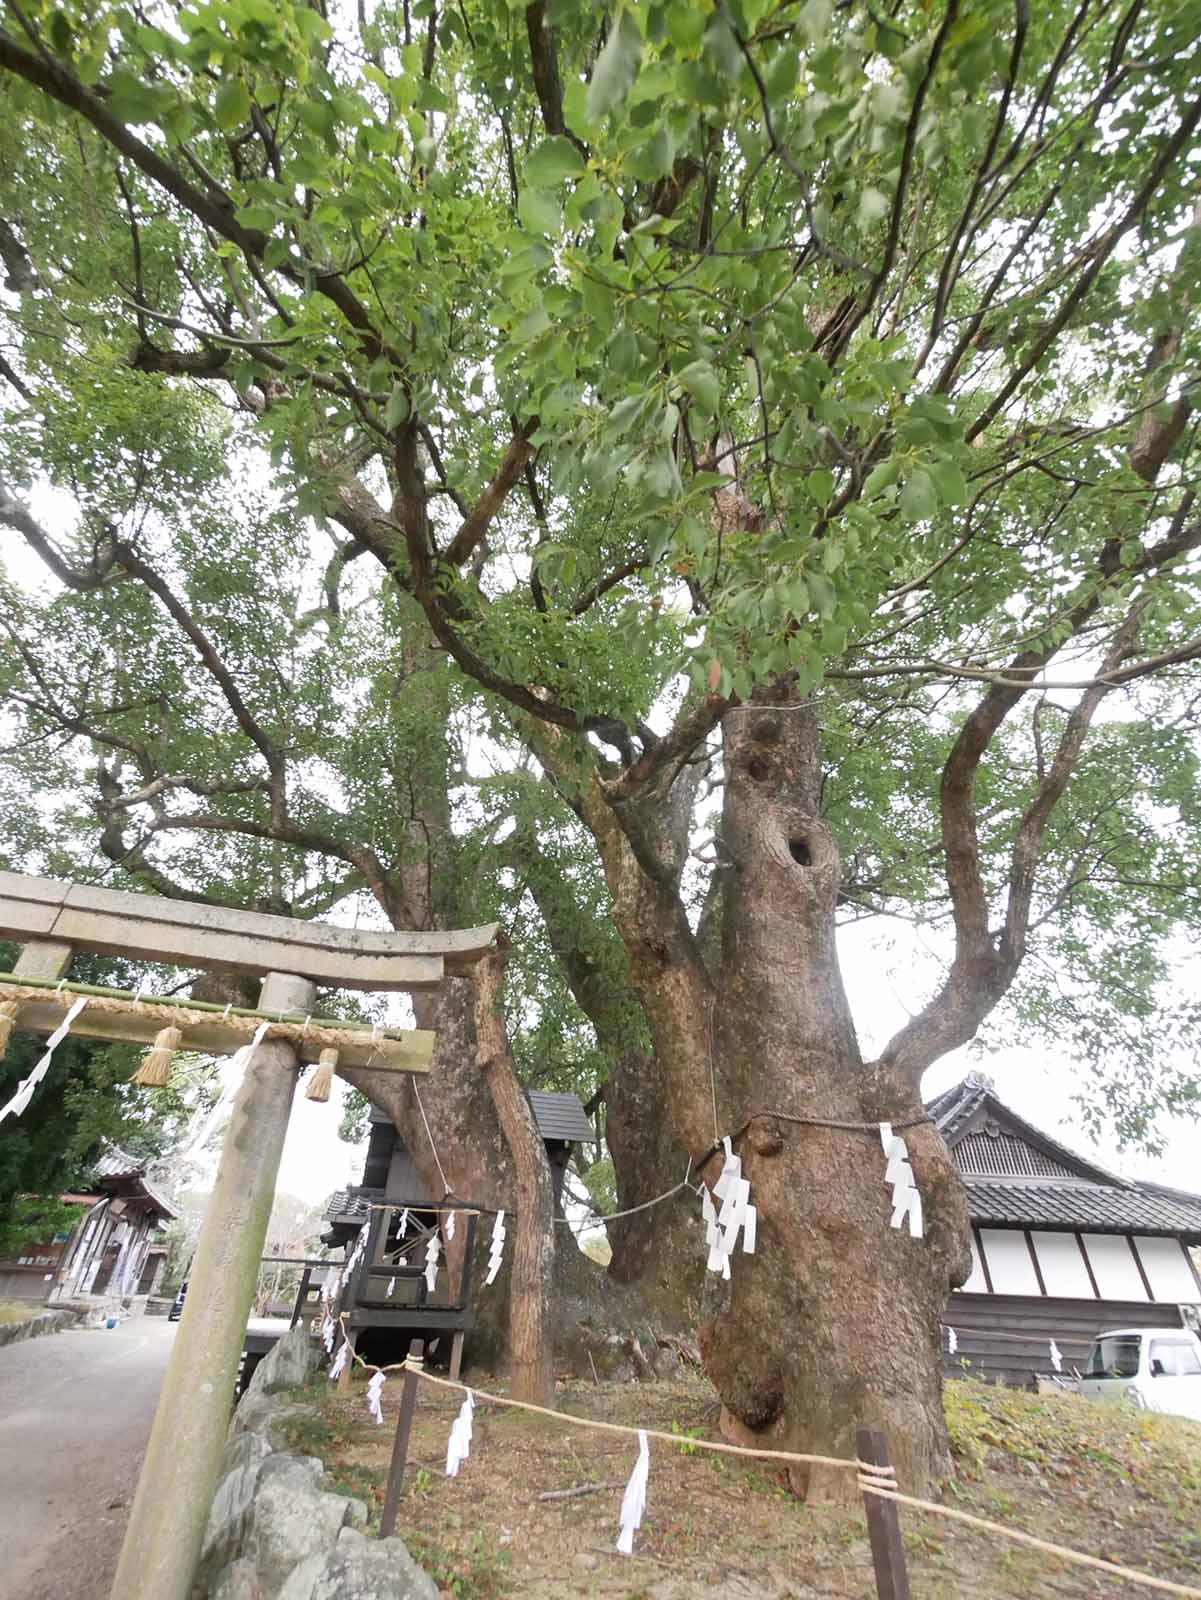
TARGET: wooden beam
(153,928)
(410,1053)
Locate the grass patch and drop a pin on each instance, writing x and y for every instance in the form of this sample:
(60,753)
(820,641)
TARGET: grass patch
(18,1311)
(1105,1480)
(470,1568)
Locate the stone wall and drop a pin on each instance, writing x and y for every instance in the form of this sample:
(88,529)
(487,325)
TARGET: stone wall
(35,1327)
(274,1533)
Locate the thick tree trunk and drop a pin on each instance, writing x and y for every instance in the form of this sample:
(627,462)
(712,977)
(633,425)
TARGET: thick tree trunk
(833,1322)
(654,1250)
(531,1367)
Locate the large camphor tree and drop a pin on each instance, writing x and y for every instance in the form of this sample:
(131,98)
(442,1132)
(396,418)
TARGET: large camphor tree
(788,401)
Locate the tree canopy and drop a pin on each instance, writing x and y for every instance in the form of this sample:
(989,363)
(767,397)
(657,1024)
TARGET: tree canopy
(688,345)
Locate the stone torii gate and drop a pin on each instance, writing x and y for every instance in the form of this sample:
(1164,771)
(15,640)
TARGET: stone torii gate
(53,919)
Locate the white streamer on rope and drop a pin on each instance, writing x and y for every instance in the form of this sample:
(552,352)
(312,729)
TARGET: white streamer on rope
(24,1093)
(391,1289)
(432,1251)
(340,1360)
(633,1502)
(906,1201)
(328,1329)
(458,1446)
(374,1389)
(1056,1356)
(496,1250)
(722,1227)
(450,1226)
(952,1341)
(402,1227)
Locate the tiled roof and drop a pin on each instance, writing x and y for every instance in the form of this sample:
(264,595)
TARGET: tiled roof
(350,1205)
(560,1116)
(955,1105)
(118,1163)
(953,1110)
(1090,1206)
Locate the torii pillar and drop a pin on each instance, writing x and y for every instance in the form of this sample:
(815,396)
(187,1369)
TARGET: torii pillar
(179,1473)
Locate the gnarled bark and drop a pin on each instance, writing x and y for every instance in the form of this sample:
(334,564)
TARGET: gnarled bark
(531,1368)
(833,1323)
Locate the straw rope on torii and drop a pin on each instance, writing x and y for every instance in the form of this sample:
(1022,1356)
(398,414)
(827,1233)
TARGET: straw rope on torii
(171,1025)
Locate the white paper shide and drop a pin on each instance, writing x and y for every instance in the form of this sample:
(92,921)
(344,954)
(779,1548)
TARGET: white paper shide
(906,1201)
(736,1214)
(458,1446)
(496,1249)
(633,1502)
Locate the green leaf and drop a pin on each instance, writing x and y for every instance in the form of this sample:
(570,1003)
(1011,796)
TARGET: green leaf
(780,79)
(822,593)
(685,26)
(820,485)
(873,204)
(232,105)
(531,325)
(949,481)
(616,68)
(553,160)
(397,409)
(815,18)
(881,477)
(318,116)
(700,380)
(919,498)
(722,47)
(263,218)
(539,211)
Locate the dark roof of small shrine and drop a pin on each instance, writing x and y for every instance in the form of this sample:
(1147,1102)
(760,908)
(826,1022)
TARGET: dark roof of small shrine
(350,1205)
(559,1116)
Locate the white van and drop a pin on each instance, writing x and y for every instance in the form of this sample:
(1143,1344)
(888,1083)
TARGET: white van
(1156,1368)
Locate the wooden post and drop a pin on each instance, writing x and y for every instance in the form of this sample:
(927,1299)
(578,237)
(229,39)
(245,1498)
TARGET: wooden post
(302,1294)
(400,1446)
(456,1355)
(883,1524)
(179,1473)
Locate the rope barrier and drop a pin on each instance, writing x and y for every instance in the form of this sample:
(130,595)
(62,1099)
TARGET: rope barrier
(1062,1551)
(807,1122)
(847,1464)
(870,1478)
(962,1333)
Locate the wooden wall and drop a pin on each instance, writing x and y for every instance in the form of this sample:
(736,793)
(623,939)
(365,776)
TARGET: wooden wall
(1006,1338)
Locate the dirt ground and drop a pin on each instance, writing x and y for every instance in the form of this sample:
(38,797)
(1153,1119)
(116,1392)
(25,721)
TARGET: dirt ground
(1119,1484)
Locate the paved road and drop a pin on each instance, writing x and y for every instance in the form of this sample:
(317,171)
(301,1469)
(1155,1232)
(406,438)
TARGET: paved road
(75,1414)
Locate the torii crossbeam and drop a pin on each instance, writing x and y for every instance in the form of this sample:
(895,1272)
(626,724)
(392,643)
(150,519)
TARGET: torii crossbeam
(52,919)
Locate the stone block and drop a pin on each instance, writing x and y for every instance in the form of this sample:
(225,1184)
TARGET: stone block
(290,1363)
